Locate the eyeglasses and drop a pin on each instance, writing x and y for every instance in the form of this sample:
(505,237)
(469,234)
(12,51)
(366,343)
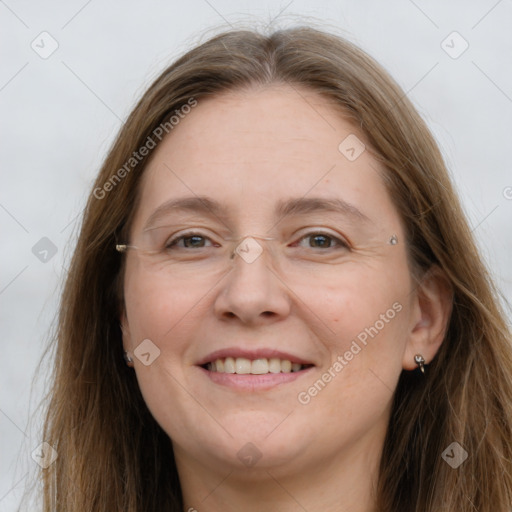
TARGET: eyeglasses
(199,252)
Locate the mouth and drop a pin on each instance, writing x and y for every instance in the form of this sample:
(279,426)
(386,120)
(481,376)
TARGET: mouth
(260,366)
(253,370)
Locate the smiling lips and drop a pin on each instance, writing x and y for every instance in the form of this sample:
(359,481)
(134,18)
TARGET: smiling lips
(244,366)
(254,362)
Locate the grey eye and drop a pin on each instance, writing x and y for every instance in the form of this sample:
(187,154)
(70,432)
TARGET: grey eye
(319,240)
(190,241)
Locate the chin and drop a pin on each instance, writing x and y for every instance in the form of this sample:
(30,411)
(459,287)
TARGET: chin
(256,448)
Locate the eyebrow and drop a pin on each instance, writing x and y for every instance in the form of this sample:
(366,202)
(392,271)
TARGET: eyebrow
(296,206)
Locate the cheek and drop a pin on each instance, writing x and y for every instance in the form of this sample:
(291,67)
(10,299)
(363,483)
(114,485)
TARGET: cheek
(164,315)
(158,310)
(355,387)
(367,319)
(358,301)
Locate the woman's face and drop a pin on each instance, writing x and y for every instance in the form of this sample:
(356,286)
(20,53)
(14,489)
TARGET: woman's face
(331,294)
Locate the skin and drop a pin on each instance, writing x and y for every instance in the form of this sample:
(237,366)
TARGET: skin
(248,150)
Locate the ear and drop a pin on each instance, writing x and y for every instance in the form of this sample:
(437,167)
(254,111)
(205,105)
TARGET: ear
(431,310)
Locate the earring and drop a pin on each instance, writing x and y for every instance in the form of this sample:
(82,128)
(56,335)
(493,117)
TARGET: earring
(128,359)
(420,361)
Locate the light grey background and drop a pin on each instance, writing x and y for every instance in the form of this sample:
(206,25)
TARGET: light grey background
(60,114)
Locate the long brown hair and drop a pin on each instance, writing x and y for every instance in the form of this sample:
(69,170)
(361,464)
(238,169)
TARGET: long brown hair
(112,455)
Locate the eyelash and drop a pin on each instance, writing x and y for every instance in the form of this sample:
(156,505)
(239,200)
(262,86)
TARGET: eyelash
(341,243)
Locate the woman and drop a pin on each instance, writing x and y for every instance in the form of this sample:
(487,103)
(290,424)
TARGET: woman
(276,303)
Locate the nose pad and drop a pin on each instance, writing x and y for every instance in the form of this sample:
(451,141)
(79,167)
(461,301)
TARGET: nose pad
(249,249)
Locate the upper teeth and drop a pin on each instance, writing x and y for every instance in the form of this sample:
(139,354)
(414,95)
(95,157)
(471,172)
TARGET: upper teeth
(242,365)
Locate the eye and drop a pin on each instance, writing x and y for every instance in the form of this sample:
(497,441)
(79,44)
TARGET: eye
(191,240)
(321,240)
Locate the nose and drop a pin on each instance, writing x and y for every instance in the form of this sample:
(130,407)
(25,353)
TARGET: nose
(253,292)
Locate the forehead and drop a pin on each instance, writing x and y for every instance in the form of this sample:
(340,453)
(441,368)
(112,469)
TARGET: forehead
(253,149)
